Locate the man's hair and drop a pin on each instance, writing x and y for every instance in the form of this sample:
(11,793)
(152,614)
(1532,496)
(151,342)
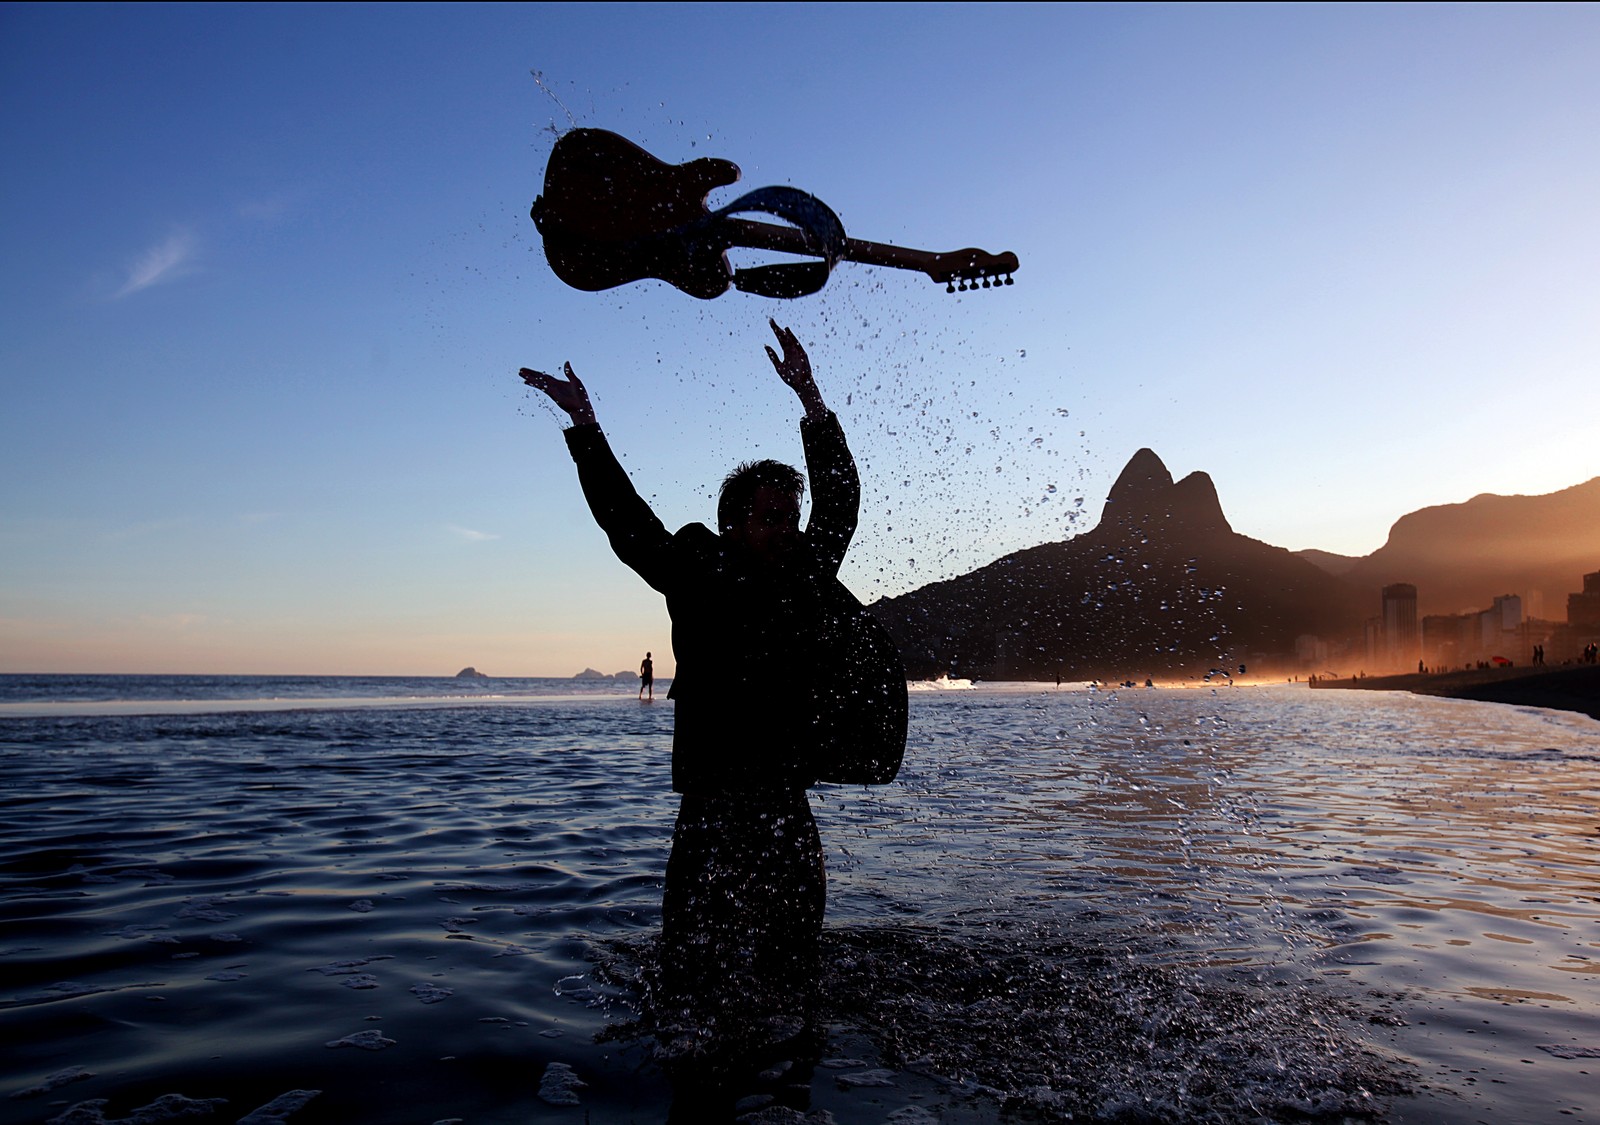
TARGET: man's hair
(738,495)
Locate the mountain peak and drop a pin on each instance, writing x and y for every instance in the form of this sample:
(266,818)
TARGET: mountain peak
(1145,499)
(1145,474)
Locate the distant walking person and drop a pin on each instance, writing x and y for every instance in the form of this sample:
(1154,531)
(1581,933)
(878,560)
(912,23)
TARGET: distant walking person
(647,677)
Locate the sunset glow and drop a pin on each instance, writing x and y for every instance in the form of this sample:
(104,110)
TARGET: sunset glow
(261,406)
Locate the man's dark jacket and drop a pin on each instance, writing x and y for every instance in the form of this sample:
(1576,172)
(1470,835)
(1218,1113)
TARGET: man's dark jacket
(749,639)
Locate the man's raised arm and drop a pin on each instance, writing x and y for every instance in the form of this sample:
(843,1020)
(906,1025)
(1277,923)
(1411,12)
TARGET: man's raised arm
(835,488)
(636,535)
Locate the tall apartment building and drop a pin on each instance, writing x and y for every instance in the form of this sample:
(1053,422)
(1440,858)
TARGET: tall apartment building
(1583,610)
(1499,626)
(1401,644)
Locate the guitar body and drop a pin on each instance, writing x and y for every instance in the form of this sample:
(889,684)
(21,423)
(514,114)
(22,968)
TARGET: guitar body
(611,214)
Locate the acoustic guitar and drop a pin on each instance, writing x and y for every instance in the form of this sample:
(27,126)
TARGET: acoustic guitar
(611,213)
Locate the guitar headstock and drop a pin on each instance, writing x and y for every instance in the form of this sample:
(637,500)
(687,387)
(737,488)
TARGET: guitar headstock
(961,270)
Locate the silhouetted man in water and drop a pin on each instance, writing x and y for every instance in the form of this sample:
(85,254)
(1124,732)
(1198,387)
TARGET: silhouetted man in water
(746,887)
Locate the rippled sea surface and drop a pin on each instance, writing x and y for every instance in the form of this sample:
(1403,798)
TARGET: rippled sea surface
(1152,905)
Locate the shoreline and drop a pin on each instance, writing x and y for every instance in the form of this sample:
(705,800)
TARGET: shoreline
(1568,687)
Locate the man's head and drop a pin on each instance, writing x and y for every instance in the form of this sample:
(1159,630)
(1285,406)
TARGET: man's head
(759,507)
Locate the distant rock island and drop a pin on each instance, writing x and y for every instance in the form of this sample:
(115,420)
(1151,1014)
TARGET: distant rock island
(591,674)
(1163,587)
(471,673)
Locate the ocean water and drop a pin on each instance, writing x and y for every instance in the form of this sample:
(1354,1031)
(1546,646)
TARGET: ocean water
(43,695)
(359,900)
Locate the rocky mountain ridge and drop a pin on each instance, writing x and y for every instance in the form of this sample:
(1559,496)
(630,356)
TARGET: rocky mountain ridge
(1460,556)
(1164,586)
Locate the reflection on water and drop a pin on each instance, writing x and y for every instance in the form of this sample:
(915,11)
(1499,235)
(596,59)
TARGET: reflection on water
(1262,798)
(1144,905)
(1438,852)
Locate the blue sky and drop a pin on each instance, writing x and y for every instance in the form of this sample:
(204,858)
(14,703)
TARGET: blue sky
(269,276)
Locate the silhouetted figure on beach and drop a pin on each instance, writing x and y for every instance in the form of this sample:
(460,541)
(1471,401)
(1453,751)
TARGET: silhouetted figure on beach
(647,678)
(745,887)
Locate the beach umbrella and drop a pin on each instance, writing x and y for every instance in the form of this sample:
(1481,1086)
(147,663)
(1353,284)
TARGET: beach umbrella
(1499,661)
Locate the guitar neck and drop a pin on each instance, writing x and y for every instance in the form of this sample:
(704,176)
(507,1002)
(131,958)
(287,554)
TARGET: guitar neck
(962,265)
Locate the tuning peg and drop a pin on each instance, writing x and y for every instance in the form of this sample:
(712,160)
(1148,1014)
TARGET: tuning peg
(1009,281)
(949,287)
(986,281)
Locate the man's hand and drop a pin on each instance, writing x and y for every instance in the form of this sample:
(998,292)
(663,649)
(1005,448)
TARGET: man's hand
(794,368)
(568,393)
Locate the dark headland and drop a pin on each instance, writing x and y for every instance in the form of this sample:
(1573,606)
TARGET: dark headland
(1572,688)
(1161,587)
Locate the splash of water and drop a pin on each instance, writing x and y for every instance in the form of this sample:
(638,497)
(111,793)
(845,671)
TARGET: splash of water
(553,129)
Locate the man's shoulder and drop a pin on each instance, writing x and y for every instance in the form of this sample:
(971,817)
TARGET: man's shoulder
(697,538)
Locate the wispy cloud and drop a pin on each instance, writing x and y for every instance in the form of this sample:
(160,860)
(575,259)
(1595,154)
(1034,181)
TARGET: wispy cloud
(282,203)
(269,209)
(165,261)
(469,534)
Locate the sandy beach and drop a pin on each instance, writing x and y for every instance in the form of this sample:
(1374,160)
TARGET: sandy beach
(1572,687)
